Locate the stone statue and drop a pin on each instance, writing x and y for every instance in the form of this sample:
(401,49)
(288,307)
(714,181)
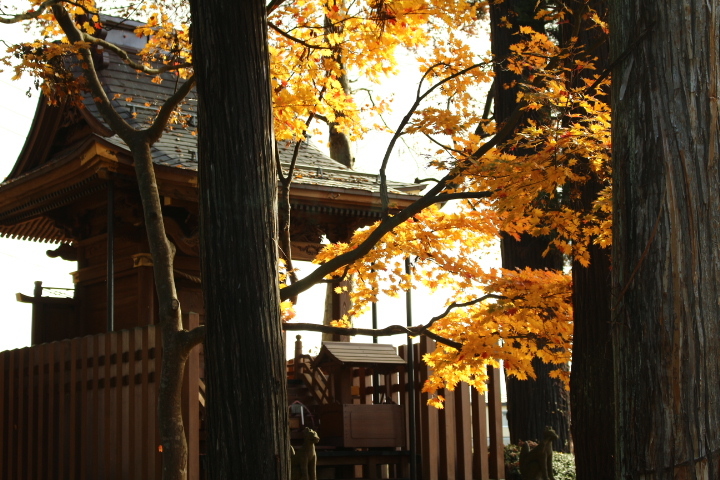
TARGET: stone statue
(536,464)
(304,459)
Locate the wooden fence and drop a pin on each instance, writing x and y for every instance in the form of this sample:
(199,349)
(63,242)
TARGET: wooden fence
(452,442)
(87,408)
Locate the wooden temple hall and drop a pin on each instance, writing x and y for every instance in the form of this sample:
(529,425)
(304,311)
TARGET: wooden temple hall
(81,401)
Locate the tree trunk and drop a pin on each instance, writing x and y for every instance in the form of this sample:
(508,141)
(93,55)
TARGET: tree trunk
(245,371)
(531,404)
(591,384)
(666,270)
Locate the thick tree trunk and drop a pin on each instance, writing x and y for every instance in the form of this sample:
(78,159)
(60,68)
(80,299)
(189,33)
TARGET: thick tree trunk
(531,404)
(246,384)
(666,265)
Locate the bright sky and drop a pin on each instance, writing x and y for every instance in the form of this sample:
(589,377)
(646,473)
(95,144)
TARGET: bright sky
(22,262)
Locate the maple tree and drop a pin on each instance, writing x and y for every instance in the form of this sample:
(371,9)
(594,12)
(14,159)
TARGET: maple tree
(515,176)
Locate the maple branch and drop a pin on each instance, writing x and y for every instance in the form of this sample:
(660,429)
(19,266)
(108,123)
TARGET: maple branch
(395,329)
(297,40)
(29,15)
(384,199)
(272,6)
(381,332)
(444,147)
(387,224)
(155,131)
(125,57)
(469,303)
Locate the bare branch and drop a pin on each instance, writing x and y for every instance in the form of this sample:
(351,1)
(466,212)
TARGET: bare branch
(194,337)
(155,131)
(382,332)
(31,14)
(384,199)
(125,57)
(297,40)
(272,6)
(469,303)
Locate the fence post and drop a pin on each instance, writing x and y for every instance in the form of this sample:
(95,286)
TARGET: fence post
(497,454)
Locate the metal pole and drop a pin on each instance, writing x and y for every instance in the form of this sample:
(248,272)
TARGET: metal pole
(110,254)
(411,382)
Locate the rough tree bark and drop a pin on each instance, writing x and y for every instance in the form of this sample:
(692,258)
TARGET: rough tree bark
(531,404)
(666,261)
(246,385)
(591,392)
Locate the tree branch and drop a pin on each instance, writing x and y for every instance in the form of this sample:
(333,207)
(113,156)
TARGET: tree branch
(109,114)
(125,57)
(194,337)
(382,332)
(155,131)
(29,15)
(295,39)
(384,199)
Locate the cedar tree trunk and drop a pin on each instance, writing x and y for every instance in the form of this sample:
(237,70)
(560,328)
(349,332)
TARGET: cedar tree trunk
(666,238)
(591,392)
(245,367)
(531,404)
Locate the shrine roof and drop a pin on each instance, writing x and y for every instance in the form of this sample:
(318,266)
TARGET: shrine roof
(137,99)
(357,354)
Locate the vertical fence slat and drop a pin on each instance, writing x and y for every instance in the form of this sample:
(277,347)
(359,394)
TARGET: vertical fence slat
(120,423)
(480,445)
(497,457)
(61,434)
(448,447)
(156,385)
(98,429)
(126,382)
(20,421)
(463,433)
(73,430)
(192,425)
(41,414)
(31,403)
(51,452)
(10,426)
(108,414)
(138,381)
(4,390)
(150,407)
(132,459)
(85,391)
(429,423)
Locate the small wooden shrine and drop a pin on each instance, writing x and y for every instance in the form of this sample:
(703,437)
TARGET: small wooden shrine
(345,424)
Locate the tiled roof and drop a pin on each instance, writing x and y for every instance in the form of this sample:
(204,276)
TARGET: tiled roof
(137,99)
